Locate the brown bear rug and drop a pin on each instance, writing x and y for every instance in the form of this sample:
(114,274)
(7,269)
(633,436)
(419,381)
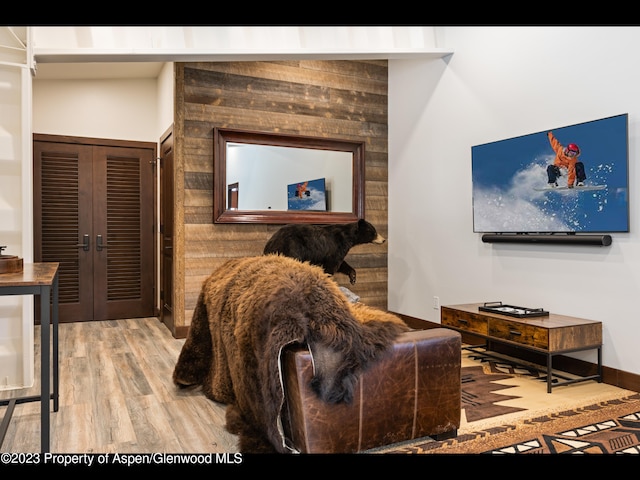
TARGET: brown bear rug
(248,312)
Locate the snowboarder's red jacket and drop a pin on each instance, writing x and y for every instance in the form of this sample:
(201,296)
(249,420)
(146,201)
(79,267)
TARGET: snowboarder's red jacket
(562,160)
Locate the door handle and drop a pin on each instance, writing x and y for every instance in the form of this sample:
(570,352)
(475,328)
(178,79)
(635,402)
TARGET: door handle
(85,242)
(99,244)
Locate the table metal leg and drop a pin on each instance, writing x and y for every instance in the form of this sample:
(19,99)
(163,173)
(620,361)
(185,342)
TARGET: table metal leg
(45,372)
(54,320)
(4,426)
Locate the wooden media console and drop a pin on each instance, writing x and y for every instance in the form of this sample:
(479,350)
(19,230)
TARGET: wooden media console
(549,335)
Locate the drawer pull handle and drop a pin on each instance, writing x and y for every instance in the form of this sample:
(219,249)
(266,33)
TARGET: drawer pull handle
(462,320)
(515,332)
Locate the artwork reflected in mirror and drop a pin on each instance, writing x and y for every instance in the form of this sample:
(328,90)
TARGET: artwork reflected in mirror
(273,178)
(308,195)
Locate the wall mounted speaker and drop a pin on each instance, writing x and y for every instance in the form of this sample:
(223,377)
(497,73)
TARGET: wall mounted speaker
(564,239)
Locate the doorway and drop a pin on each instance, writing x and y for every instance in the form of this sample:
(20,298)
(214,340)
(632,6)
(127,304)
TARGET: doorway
(94,214)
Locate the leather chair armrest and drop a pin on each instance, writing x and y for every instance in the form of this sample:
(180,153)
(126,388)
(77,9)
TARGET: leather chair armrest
(413,392)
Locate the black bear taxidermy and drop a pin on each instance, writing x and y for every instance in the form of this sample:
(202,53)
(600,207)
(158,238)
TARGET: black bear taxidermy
(323,245)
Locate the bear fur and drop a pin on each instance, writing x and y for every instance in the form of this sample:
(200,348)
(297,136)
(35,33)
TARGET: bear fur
(249,310)
(323,245)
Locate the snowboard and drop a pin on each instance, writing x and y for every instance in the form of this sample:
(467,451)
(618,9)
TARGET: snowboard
(585,188)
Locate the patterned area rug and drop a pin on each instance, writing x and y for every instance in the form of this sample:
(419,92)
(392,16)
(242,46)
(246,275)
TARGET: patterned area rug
(607,427)
(506,410)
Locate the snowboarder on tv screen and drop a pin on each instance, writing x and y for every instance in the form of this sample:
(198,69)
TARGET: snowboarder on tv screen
(566,157)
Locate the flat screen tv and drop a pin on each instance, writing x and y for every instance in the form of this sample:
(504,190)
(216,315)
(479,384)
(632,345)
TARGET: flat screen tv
(519,186)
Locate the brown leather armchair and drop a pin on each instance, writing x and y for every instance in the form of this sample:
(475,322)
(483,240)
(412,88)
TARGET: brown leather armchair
(413,392)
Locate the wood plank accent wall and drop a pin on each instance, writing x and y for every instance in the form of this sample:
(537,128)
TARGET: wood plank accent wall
(336,99)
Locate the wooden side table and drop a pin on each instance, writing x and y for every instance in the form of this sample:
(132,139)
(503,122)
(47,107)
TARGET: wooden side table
(39,279)
(549,335)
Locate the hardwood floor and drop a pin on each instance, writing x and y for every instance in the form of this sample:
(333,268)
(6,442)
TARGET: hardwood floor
(116,395)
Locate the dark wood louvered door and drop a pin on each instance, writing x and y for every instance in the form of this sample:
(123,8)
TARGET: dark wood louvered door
(94,214)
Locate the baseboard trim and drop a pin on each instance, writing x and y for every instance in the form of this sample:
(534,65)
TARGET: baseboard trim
(610,376)
(181,332)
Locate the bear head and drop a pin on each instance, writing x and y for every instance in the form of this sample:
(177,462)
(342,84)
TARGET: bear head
(367,233)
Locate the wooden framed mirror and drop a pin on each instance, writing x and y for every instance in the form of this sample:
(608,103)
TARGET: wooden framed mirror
(279,179)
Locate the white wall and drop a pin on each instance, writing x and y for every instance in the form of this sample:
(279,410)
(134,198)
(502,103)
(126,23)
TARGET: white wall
(503,82)
(165,100)
(122,109)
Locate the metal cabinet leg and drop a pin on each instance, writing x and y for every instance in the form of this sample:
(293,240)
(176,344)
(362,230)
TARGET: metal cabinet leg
(600,364)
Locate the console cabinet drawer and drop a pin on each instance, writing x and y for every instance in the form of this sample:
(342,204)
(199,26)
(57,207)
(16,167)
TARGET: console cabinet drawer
(469,322)
(520,333)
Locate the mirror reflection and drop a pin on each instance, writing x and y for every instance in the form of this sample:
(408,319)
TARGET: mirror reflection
(273,178)
(266,177)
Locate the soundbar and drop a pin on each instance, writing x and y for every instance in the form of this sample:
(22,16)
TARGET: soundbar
(565,239)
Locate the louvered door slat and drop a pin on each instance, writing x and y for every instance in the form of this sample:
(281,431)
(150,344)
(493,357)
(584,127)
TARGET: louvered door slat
(123,228)
(59,243)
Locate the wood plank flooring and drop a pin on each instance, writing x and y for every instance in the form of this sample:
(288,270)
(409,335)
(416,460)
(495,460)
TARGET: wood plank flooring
(116,395)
